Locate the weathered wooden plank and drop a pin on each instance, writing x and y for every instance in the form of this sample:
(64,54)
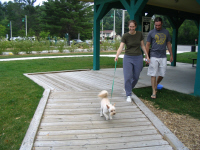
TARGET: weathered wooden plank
(57,83)
(95,136)
(81,119)
(91,126)
(83,100)
(46,83)
(89,79)
(86,105)
(97,109)
(43,123)
(98,141)
(149,147)
(55,95)
(67,83)
(95,92)
(78,106)
(76,96)
(72,112)
(95,131)
(97,116)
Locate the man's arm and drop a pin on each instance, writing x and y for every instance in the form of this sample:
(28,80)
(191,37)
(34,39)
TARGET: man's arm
(169,46)
(147,47)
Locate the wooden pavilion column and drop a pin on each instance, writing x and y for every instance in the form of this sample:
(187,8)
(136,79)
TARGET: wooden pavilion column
(197,77)
(99,11)
(175,23)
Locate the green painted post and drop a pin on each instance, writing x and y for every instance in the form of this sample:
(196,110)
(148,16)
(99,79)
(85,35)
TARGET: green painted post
(175,23)
(96,41)
(174,46)
(197,77)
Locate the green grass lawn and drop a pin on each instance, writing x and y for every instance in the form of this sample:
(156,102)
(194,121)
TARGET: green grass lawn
(172,101)
(184,57)
(20,95)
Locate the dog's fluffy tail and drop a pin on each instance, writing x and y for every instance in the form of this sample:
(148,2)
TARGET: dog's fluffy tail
(103,94)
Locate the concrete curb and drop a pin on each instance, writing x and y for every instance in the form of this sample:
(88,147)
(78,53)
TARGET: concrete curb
(166,133)
(29,138)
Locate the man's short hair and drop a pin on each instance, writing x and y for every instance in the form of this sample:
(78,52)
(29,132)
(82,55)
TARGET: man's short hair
(157,19)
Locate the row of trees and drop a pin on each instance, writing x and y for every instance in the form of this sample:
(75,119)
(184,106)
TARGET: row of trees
(55,16)
(58,17)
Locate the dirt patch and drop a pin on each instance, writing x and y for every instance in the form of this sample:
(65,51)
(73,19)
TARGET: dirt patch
(186,128)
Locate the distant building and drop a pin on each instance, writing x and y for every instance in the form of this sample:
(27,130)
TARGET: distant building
(107,34)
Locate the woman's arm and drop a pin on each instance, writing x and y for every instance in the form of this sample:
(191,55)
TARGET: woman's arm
(119,50)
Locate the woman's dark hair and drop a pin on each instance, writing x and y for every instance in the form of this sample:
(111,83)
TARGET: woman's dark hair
(132,21)
(157,19)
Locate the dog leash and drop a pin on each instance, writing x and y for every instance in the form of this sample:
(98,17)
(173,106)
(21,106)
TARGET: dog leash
(113,78)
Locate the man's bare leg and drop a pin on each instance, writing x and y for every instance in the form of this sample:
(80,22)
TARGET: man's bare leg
(159,79)
(154,87)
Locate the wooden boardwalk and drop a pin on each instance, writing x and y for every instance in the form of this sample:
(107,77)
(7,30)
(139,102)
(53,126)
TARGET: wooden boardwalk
(71,118)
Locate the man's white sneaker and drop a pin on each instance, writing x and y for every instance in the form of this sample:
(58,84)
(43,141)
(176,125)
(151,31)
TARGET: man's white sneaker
(128,99)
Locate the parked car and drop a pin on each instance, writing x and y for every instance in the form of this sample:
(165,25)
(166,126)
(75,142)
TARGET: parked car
(76,41)
(88,41)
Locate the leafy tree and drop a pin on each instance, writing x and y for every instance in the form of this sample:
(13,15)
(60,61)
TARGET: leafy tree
(15,14)
(108,21)
(2,31)
(30,33)
(187,33)
(71,16)
(44,34)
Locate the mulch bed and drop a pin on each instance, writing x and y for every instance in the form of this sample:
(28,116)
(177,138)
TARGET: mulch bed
(186,128)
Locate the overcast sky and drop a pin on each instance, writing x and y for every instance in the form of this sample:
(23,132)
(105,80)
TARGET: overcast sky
(35,4)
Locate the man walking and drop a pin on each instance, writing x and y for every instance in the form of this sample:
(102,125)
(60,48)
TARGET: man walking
(158,38)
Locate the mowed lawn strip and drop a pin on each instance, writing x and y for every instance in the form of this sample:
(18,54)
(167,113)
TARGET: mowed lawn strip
(20,95)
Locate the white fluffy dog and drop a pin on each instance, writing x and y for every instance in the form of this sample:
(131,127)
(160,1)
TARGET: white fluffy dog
(106,106)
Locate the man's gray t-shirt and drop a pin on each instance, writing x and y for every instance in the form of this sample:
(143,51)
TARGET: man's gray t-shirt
(158,40)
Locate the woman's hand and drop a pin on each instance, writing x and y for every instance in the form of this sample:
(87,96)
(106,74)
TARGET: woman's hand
(116,58)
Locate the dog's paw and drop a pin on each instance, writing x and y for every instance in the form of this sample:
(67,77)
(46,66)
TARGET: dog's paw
(110,118)
(101,115)
(106,118)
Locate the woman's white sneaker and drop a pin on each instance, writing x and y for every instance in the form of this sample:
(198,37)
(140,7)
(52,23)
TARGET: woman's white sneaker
(128,99)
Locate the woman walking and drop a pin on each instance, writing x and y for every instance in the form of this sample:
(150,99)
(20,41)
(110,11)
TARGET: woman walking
(133,58)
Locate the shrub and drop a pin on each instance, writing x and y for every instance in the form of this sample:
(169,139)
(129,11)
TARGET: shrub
(72,47)
(115,45)
(3,46)
(60,45)
(105,46)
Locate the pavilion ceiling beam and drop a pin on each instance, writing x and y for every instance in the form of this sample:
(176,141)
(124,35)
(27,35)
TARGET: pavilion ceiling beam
(198,1)
(134,7)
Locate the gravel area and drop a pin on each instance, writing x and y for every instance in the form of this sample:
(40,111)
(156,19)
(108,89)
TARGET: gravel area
(186,128)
